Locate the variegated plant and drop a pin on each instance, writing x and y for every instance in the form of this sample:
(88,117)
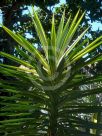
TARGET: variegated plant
(45,92)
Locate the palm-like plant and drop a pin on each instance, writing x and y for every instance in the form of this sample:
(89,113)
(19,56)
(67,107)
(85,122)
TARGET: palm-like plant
(45,90)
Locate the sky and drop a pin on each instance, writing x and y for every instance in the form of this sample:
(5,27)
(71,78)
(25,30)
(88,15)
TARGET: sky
(95,25)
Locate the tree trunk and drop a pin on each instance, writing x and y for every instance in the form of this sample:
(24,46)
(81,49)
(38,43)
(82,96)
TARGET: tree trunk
(53,115)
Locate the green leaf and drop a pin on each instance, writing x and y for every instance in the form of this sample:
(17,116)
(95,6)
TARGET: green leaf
(87,49)
(28,46)
(52,49)
(40,31)
(16,59)
(60,30)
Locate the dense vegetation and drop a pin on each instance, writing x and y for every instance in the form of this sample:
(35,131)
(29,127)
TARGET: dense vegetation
(51,81)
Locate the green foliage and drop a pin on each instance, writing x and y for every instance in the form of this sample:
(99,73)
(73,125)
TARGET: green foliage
(45,91)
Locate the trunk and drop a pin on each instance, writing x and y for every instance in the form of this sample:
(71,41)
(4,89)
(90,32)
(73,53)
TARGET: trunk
(53,115)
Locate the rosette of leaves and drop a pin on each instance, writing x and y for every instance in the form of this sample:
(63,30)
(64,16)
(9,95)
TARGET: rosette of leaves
(46,92)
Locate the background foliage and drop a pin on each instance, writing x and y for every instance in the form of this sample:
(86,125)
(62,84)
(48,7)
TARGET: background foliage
(16,17)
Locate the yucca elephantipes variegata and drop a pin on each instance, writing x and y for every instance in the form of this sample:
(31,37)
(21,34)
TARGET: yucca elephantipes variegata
(47,93)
